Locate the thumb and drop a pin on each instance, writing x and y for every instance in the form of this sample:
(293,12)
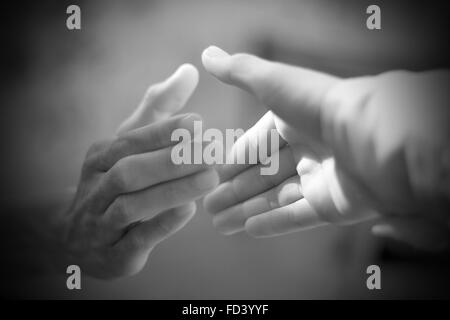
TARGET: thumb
(163,99)
(294,94)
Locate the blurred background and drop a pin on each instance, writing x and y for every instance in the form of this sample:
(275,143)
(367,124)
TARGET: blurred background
(62,90)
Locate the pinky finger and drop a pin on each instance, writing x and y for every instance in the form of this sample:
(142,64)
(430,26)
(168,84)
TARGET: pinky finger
(293,217)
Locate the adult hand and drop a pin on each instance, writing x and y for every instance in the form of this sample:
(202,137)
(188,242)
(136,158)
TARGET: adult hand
(362,147)
(131,196)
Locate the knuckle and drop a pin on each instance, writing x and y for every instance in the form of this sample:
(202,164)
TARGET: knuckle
(117,149)
(118,176)
(96,147)
(95,152)
(273,198)
(120,212)
(153,92)
(121,143)
(104,154)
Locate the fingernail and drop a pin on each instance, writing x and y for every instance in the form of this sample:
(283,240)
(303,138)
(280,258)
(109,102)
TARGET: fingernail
(215,53)
(206,180)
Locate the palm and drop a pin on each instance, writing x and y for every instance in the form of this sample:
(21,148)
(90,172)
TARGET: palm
(308,190)
(322,183)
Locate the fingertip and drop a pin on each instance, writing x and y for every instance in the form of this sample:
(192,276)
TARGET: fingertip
(253,229)
(189,209)
(163,99)
(214,52)
(183,81)
(212,59)
(188,72)
(243,70)
(176,90)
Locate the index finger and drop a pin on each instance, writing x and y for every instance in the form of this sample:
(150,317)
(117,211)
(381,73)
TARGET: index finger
(149,138)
